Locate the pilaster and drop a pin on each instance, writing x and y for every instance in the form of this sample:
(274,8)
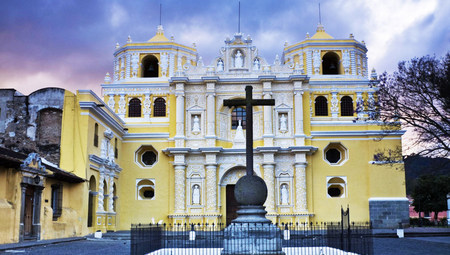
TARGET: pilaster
(268,122)
(210,114)
(334,105)
(298,114)
(180,189)
(300,188)
(180,115)
(269,178)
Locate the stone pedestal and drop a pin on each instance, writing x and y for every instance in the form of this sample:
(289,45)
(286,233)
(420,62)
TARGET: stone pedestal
(251,233)
(252,238)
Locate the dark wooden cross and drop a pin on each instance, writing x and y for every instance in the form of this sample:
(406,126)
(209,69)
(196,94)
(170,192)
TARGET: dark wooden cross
(249,102)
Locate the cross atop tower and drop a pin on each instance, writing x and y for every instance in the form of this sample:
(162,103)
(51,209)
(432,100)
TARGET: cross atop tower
(249,102)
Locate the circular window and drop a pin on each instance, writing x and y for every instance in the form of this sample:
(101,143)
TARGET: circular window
(333,155)
(149,158)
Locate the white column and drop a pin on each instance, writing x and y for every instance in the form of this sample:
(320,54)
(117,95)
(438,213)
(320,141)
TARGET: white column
(180,189)
(179,136)
(269,178)
(210,110)
(101,195)
(268,112)
(211,188)
(298,108)
(111,193)
(210,114)
(300,188)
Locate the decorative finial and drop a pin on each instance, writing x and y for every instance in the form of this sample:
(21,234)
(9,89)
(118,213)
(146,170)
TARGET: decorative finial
(286,43)
(373,74)
(351,36)
(172,38)
(307,35)
(320,28)
(117,45)
(107,78)
(160,30)
(363,42)
(194,45)
(129,39)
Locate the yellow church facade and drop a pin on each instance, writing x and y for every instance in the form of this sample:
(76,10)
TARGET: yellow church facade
(160,146)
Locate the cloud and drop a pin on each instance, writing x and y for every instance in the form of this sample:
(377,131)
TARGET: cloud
(119,15)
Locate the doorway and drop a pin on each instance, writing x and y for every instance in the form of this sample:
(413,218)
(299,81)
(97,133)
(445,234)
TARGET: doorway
(28,216)
(232,204)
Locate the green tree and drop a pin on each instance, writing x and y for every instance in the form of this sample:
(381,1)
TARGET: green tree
(430,194)
(417,97)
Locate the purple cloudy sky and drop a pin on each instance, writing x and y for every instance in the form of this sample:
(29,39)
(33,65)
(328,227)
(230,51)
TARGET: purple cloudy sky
(69,43)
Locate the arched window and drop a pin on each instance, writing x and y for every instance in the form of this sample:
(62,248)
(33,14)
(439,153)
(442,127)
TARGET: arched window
(114,197)
(145,189)
(105,196)
(321,106)
(238,114)
(346,106)
(330,63)
(96,135)
(150,67)
(159,107)
(91,207)
(116,151)
(336,187)
(134,108)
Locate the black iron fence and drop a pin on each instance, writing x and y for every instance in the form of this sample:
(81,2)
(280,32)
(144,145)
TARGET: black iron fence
(207,239)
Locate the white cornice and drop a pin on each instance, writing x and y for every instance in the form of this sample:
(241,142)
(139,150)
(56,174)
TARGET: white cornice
(116,124)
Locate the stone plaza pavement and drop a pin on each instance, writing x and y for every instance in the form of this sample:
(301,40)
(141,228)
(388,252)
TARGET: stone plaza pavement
(417,241)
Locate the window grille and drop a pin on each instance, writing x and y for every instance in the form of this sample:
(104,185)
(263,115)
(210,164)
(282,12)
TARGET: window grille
(346,106)
(56,203)
(238,113)
(96,135)
(134,108)
(159,108)
(321,106)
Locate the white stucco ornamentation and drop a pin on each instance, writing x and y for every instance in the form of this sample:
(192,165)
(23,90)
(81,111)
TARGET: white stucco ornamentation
(300,188)
(316,61)
(211,196)
(134,65)
(371,106)
(269,179)
(346,61)
(180,192)
(111,193)
(111,102)
(359,105)
(101,196)
(164,64)
(147,106)
(122,105)
(334,105)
